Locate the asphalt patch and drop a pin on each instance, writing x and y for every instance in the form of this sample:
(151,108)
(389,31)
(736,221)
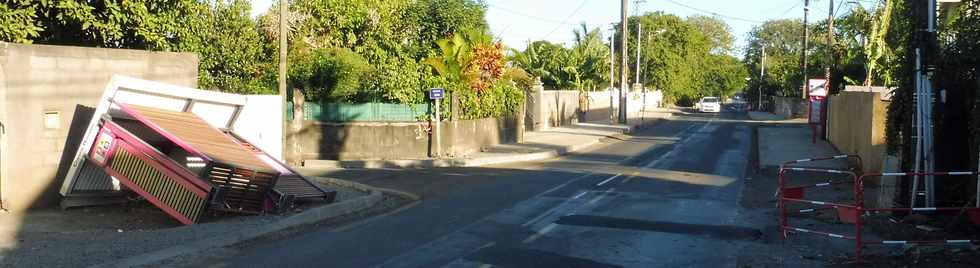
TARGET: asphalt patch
(723,232)
(522,257)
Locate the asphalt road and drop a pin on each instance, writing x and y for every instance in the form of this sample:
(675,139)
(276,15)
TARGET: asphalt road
(666,196)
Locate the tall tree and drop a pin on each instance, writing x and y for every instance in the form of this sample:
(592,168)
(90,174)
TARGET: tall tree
(782,40)
(233,55)
(716,30)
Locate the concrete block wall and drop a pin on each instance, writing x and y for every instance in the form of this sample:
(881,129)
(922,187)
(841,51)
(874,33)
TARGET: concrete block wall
(398,140)
(41,90)
(856,125)
(789,107)
(563,107)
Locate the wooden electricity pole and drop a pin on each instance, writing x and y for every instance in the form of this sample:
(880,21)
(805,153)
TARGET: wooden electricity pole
(283,12)
(624,64)
(830,45)
(806,46)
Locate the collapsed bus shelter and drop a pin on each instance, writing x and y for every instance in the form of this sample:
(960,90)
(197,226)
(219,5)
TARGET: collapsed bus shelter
(176,148)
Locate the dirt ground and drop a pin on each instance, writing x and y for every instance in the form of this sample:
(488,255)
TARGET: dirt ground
(92,235)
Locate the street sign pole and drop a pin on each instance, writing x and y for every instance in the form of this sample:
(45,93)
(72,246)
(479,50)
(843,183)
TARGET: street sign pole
(435,95)
(435,131)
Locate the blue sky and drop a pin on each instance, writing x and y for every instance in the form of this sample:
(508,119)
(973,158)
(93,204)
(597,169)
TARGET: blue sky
(517,21)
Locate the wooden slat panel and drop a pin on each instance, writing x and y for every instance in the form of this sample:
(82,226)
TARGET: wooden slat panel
(197,133)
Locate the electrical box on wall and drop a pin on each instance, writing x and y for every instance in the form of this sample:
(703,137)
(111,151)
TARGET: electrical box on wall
(52,120)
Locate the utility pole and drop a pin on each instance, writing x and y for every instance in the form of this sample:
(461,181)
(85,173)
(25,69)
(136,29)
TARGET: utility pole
(830,45)
(924,151)
(283,32)
(762,76)
(612,77)
(806,46)
(623,84)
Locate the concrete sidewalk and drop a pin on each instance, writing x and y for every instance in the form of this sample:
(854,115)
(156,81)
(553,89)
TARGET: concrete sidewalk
(782,139)
(538,145)
(780,144)
(774,118)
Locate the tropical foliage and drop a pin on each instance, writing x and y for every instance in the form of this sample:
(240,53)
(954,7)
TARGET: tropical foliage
(687,58)
(232,53)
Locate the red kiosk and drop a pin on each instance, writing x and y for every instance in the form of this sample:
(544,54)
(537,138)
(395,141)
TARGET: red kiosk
(817,110)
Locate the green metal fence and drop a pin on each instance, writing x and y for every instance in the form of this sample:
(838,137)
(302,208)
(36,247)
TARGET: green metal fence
(362,112)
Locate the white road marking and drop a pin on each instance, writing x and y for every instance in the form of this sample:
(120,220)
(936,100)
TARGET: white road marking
(540,233)
(490,244)
(579,195)
(601,196)
(609,179)
(539,217)
(683,139)
(564,184)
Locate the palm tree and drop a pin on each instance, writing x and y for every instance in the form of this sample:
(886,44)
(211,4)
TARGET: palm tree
(590,55)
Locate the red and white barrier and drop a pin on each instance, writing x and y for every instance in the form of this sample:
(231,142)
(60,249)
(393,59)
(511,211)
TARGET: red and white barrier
(854,213)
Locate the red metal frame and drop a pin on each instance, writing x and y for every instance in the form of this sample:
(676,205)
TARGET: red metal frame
(854,213)
(123,140)
(149,123)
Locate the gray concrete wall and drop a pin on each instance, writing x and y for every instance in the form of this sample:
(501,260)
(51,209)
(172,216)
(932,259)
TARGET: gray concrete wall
(65,83)
(789,107)
(562,107)
(391,140)
(856,125)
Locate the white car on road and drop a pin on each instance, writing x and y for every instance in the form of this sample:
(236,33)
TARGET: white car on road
(708,105)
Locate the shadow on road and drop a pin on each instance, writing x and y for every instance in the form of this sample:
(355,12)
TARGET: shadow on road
(722,232)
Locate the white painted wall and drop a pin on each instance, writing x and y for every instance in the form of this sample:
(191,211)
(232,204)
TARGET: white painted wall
(260,122)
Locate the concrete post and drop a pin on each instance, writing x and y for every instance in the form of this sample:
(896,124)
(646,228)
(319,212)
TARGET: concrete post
(453,107)
(538,110)
(294,155)
(520,113)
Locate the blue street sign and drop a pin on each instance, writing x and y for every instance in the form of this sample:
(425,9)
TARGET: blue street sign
(436,93)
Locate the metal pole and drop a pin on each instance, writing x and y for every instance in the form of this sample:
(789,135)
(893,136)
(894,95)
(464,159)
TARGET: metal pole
(928,93)
(283,34)
(918,129)
(639,29)
(806,46)
(435,130)
(623,84)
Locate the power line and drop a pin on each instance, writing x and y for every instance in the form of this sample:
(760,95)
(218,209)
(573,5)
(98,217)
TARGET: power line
(580,5)
(713,13)
(553,21)
(790,9)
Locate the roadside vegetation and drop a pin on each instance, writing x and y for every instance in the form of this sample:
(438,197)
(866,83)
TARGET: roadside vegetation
(687,58)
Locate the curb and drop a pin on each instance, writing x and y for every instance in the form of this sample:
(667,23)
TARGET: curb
(306,217)
(470,162)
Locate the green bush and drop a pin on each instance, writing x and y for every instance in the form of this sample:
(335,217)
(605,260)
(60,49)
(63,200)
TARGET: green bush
(502,99)
(332,74)
(400,81)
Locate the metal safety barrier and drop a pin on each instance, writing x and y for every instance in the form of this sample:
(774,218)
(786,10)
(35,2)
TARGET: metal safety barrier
(853,213)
